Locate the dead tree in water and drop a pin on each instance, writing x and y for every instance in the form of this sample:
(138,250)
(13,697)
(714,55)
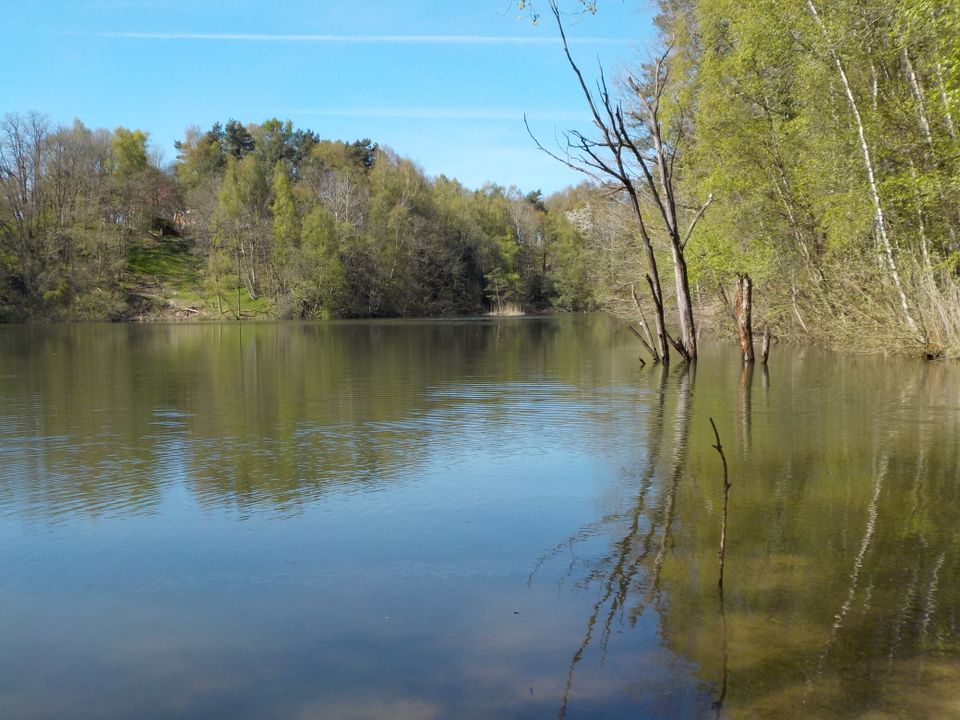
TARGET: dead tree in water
(638,152)
(743,311)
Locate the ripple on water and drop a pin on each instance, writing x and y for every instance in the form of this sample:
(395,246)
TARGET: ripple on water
(113,473)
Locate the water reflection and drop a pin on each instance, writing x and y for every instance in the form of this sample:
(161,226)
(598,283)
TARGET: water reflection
(469,519)
(102,419)
(745,406)
(841,539)
(629,578)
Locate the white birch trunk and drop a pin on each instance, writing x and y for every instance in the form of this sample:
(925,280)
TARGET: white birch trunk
(918,96)
(880,221)
(951,128)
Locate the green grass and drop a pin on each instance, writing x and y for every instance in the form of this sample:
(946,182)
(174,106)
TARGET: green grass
(249,308)
(168,269)
(166,262)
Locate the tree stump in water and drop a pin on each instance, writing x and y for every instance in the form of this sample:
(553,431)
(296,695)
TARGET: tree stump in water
(765,345)
(742,309)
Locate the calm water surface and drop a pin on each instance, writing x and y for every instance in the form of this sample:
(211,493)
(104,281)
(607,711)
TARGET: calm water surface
(469,519)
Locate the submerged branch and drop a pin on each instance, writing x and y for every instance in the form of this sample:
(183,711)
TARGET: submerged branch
(726,495)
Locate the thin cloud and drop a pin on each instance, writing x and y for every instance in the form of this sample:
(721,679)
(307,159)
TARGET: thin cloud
(439,113)
(366,39)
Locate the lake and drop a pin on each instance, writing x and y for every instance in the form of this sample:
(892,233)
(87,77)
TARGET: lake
(469,519)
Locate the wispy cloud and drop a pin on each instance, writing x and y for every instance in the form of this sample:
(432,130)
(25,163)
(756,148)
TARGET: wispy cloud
(440,113)
(366,39)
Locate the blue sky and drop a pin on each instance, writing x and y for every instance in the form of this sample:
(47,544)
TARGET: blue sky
(445,83)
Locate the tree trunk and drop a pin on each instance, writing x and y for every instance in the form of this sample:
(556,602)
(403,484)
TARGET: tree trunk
(616,140)
(948,118)
(765,345)
(688,333)
(742,311)
(668,210)
(662,342)
(917,92)
(796,307)
(653,279)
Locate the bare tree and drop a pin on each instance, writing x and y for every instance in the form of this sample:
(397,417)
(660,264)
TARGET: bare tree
(22,142)
(632,150)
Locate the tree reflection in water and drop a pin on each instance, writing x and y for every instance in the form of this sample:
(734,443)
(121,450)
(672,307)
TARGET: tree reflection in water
(647,536)
(842,592)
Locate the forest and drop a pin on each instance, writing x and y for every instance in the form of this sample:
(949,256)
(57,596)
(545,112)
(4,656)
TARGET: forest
(806,151)
(263,220)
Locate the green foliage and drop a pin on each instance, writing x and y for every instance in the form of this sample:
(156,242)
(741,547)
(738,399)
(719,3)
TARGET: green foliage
(129,150)
(286,226)
(567,260)
(757,109)
(775,139)
(236,140)
(200,156)
(264,219)
(218,281)
(319,283)
(97,304)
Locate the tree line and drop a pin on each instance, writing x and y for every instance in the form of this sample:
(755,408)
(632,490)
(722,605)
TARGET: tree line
(268,213)
(808,151)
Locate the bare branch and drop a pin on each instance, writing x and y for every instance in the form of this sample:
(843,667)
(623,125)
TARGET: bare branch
(567,162)
(643,324)
(647,175)
(642,339)
(583,85)
(726,495)
(615,140)
(684,353)
(605,96)
(696,219)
